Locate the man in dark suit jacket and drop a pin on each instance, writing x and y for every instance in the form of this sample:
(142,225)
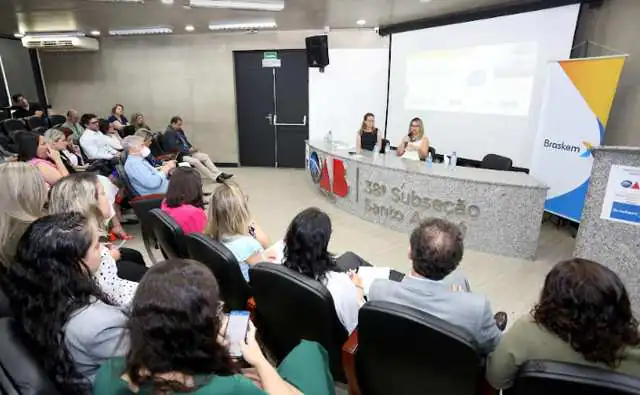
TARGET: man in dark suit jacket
(434,287)
(174,140)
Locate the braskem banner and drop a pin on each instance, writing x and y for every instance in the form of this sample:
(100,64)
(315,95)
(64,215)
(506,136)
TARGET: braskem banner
(573,119)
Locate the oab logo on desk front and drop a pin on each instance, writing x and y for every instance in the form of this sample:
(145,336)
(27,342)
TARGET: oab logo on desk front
(330,173)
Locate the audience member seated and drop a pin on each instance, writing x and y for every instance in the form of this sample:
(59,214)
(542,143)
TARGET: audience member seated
(95,144)
(33,149)
(177,345)
(73,124)
(22,198)
(69,153)
(185,200)
(175,140)
(368,136)
(305,251)
(117,118)
(434,287)
(147,135)
(583,316)
(137,120)
(83,193)
(229,223)
(106,128)
(145,179)
(72,325)
(22,108)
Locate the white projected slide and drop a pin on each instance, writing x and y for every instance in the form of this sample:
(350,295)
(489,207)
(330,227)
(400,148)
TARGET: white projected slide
(487,79)
(478,85)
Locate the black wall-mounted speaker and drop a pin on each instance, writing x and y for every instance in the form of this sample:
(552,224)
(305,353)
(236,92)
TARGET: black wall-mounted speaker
(318,51)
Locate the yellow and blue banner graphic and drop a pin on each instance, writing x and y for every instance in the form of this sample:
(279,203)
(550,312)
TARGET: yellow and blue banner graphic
(573,119)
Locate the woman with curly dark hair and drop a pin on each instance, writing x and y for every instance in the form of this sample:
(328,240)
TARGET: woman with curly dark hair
(583,316)
(177,345)
(306,246)
(72,325)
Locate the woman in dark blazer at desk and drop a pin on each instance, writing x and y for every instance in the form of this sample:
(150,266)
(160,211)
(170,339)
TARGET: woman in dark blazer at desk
(368,135)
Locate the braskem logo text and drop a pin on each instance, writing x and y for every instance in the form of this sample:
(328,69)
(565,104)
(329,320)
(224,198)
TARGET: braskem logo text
(562,146)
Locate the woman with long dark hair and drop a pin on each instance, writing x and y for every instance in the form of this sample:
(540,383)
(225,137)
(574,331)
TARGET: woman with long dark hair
(72,325)
(306,246)
(33,149)
(583,316)
(177,344)
(184,201)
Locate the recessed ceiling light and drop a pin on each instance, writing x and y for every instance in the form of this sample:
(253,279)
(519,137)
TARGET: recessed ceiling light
(18,35)
(361,22)
(425,1)
(167,2)
(95,32)
(189,28)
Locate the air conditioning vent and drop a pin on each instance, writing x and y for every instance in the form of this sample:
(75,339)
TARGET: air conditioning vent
(61,44)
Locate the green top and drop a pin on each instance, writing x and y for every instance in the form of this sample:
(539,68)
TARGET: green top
(527,341)
(306,367)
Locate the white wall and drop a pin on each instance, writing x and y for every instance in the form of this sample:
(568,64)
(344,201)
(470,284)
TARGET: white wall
(354,83)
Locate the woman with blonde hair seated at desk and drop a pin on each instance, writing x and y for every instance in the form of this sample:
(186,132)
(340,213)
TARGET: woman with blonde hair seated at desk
(230,223)
(22,198)
(415,145)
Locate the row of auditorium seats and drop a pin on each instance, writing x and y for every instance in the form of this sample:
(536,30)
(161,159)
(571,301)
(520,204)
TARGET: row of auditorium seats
(396,349)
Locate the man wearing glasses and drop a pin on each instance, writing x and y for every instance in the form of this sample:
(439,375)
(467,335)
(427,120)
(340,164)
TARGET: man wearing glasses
(95,144)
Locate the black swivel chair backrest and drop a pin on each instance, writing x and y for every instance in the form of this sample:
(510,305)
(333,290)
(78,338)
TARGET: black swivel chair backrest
(556,378)
(124,178)
(169,235)
(233,288)
(496,162)
(35,123)
(142,206)
(291,307)
(402,350)
(56,120)
(12,126)
(156,145)
(20,372)
(128,130)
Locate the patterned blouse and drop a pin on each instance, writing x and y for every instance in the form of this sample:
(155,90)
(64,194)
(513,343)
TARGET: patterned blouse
(119,290)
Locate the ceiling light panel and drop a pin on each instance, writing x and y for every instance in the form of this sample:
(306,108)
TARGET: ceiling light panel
(256,5)
(249,25)
(141,31)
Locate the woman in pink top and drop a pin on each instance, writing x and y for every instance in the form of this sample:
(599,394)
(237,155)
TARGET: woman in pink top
(33,149)
(184,201)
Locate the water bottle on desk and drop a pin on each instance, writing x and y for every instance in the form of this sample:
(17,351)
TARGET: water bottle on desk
(454,159)
(429,161)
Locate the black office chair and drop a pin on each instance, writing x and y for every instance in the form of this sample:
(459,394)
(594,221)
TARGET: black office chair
(291,307)
(156,146)
(402,350)
(235,291)
(432,150)
(5,306)
(128,130)
(556,378)
(129,190)
(13,126)
(20,371)
(169,235)
(56,120)
(35,123)
(496,162)
(142,206)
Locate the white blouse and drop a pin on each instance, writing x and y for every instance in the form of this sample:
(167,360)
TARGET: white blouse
(412,150)
(346,298)
(119,290)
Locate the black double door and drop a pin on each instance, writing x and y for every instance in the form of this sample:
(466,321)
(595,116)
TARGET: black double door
(272,107)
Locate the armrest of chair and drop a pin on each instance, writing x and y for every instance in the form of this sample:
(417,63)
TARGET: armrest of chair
(483,387)
(349,349)
(166,157)
(147,197)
